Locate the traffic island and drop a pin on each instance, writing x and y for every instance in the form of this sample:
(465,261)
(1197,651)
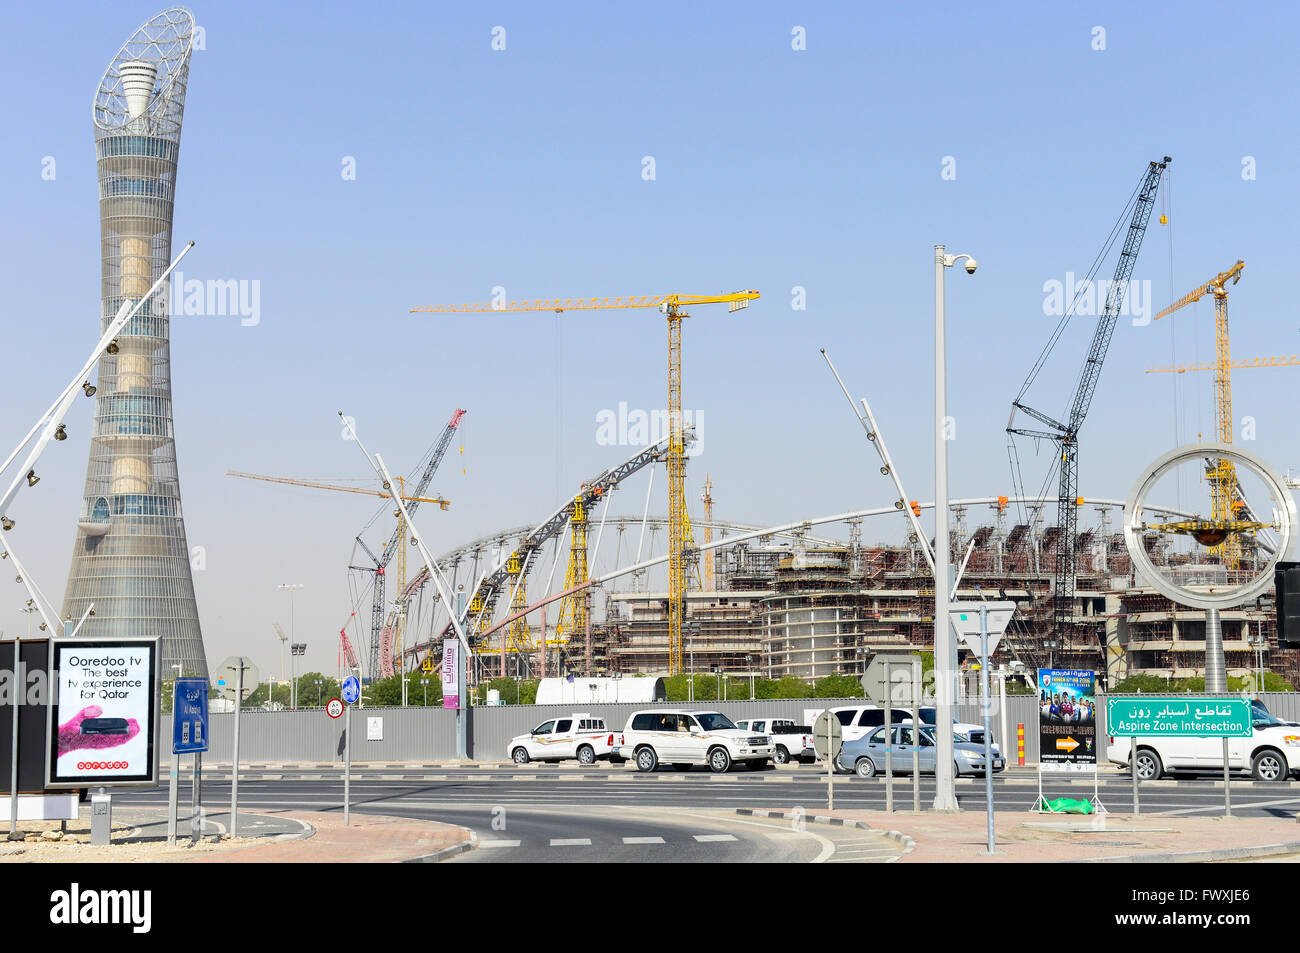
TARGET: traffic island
(1042,838)
(369,838)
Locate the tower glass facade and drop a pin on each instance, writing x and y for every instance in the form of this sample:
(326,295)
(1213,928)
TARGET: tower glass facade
(131,560)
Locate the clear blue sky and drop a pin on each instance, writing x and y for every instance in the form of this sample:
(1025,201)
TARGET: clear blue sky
(522,168)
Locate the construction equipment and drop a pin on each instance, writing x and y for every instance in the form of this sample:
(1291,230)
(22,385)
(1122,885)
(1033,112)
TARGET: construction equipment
(378,606)
(707,499)
(1221,474)
(510,574)
(681,546)
(442,501)
(1066,435)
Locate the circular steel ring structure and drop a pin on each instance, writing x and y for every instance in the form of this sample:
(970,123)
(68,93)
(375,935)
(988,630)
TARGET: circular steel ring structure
(1284,513)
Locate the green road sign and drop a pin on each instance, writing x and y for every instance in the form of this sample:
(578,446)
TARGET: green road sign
(1178,716)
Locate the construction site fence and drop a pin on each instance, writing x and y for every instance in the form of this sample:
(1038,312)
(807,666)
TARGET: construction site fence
(429,734)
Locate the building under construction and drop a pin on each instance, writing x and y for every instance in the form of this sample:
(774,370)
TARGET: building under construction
(810,611)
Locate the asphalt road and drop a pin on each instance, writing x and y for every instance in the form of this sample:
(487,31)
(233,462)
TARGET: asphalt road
(620,815)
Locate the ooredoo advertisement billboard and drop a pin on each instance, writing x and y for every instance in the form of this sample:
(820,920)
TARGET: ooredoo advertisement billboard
(103,726)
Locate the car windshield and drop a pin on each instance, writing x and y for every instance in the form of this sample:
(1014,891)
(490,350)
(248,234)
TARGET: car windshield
(712,721)
(928,716)
(1261,717)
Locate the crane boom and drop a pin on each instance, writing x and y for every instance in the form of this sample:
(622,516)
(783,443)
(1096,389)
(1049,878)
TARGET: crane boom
(443,502)
(1066,434)
(379,607)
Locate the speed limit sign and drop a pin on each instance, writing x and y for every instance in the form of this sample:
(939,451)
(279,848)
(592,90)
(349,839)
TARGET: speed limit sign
(335,708)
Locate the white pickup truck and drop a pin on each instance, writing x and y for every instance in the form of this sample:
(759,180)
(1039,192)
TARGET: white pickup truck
(581,735)
(791,740)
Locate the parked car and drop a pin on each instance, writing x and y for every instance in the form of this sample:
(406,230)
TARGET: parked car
(866,756)
(580,735)
(1272,753)
(789,740)
(687,738)
(973,733)
(857,720)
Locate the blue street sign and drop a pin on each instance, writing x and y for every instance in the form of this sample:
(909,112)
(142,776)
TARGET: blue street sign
(351,689)
(190,715)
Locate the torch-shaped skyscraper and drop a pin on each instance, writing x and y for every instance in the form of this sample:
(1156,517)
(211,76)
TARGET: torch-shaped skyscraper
(131,559)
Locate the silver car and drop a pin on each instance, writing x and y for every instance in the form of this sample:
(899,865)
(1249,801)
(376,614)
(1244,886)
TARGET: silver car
(866,756)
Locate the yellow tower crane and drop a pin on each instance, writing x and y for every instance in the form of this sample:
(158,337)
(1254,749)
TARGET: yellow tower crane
(1225,499)
(680,543)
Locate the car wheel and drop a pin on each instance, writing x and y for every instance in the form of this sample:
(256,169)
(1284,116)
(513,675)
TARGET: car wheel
(757,764)
(781,756)
(956,770)
(682,766)
(646,759)
(1269,765)
(1149,765)
(586,755)
(520,755)
(865,767)
(719,760)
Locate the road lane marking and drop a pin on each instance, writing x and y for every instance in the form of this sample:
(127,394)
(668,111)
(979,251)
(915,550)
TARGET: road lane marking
(714,838)
(570,841)
(498,843)
(643,840)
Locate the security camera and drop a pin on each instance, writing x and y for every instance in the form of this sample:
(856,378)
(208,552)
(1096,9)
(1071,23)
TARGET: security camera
(971,265)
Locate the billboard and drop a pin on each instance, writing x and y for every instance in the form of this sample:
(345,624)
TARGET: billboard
(1067,716)
(103,725)
(450,662)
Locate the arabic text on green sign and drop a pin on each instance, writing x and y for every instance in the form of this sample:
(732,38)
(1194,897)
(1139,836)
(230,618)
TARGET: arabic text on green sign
(1178,716)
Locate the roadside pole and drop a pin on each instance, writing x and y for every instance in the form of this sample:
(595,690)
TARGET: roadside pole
(347,768)
(234,768)
(13,770)
(172,798)
(1132,763)
(196,800)
(830,768)
(1227,783)
(916,748)
(988,743)
(889,740)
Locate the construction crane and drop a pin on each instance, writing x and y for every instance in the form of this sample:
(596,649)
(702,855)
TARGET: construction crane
(1221,473)
(707,499)
(1066,434)
(443,502)
(681,546)
(378,606)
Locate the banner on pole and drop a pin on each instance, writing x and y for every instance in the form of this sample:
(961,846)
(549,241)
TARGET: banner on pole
(450,662)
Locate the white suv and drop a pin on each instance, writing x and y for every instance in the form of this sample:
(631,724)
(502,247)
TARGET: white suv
(687,738)
(581,735)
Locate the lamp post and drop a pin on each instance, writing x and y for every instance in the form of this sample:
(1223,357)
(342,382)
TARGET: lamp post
(296,651)
(290,588)
(425,682)
(945,647)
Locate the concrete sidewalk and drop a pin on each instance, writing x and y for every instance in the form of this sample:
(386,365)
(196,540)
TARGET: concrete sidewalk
(1048,838)
(370,838)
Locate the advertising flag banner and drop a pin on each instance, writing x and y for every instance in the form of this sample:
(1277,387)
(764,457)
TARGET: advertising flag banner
(1067,716)
(103,725)
(450,660)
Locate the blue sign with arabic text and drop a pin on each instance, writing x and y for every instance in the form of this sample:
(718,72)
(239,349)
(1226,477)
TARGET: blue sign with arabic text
(189,715)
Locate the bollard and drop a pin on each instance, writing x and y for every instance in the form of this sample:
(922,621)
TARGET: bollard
(1020,745)
(101,818)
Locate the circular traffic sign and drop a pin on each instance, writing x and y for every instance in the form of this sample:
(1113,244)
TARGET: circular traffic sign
(351,689)
(828,736)
(334,708)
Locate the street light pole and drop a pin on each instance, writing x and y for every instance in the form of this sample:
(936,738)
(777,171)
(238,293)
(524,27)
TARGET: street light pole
(945,648)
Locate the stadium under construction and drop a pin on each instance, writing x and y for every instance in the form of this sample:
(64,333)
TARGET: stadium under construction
(805,600)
